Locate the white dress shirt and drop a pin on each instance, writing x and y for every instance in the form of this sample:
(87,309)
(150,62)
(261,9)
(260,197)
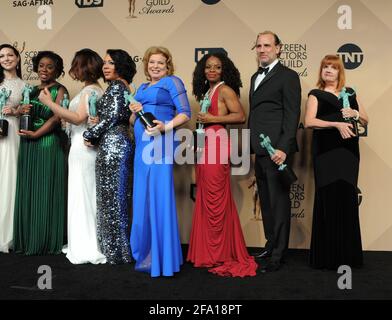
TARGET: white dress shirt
(260,77)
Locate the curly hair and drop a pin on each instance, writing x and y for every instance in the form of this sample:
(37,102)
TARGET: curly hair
(123,64)
(18,66)
(57,61)
(230,75)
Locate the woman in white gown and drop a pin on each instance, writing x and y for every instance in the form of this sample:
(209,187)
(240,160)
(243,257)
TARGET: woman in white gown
(10,74)
(82,234)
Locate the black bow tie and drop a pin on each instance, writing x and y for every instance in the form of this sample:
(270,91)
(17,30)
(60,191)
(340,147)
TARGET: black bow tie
(262,70)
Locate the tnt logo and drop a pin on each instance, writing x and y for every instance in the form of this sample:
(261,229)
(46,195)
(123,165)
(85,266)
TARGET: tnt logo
(351,55)
(201,52)
(89,3)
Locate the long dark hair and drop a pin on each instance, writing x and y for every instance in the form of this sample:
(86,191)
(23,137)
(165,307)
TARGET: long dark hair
(230,75)
(123,64)
(18,66)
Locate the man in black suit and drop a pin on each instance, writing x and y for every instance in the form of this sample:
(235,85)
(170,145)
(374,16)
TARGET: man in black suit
(275,106)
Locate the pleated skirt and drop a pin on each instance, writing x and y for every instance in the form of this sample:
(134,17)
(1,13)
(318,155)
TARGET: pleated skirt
(40,196)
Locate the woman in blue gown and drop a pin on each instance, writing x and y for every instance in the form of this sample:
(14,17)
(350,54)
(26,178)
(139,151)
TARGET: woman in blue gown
(155,240)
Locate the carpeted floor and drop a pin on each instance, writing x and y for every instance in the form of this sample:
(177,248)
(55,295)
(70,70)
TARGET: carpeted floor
(19,278)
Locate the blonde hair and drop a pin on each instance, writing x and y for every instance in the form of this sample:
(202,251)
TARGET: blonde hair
(337,63)
(158,50)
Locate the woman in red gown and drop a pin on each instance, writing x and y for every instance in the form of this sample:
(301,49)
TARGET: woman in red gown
(216,238)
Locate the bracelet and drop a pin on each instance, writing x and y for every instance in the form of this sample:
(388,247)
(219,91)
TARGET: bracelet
(356,118)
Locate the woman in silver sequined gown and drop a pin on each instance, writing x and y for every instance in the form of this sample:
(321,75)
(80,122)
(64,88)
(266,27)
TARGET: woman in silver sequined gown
(114,158)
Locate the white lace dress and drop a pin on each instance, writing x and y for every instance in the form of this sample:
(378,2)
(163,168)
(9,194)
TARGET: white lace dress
(82,225)
(9,147)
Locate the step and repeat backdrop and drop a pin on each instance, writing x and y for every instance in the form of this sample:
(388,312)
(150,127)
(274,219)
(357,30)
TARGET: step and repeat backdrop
(359,30)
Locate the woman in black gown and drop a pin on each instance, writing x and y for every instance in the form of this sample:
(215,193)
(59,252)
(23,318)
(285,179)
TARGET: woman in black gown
(336,237)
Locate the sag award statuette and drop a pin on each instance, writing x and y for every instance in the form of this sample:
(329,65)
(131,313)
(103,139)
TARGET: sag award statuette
(146,118)
(92,112)
(25,119)
(286,174)
(199,133)
(205,104)
(92,104)
(4,95)
(65,101)
(344,95)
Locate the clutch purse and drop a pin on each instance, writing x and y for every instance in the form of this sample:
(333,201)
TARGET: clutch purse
(355,126)
(147,119)
(87,136)
(3,127)
(25,122)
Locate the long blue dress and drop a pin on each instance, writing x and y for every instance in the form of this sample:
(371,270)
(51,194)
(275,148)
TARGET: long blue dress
(155,240)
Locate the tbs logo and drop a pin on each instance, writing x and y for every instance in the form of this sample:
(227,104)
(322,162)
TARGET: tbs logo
(89,3)
(201,52)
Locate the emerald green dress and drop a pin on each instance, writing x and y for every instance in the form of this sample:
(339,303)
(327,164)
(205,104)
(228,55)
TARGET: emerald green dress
(40,186)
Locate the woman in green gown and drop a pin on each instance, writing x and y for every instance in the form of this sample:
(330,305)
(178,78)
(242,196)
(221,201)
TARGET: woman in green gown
(40,186)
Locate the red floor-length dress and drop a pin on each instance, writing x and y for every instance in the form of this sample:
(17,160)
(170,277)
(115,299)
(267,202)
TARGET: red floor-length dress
(216,239)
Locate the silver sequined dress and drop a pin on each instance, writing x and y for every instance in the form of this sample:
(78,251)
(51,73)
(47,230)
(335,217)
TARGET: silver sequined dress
(113,169)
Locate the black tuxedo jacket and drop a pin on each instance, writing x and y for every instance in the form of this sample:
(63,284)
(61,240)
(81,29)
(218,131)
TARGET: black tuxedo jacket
(274,110)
